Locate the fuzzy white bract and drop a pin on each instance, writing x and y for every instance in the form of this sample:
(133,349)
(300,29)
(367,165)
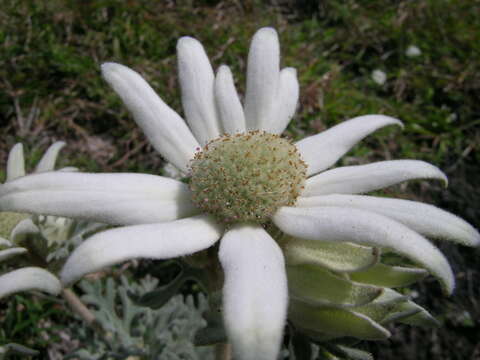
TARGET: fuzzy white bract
(273,182)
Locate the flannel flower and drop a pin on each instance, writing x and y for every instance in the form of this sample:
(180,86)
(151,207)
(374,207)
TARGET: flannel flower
(264,198)
(31,238)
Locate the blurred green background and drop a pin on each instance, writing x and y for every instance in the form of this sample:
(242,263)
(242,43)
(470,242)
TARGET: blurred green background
(429,51)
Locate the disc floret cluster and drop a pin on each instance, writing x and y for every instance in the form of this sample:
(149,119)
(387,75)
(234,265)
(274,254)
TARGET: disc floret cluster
(246,177)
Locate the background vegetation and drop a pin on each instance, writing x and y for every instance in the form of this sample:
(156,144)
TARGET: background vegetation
(51,89)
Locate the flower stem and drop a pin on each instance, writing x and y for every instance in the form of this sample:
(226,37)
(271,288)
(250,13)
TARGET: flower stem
(223,351)
(79,307)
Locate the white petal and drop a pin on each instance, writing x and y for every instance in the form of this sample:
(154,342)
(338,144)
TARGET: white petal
(4,242)
(365,178)
(165,129)
(423,218)
(8,253)
(197,83)
(230,109)
(344,224)
(29,278)
(323,150)
(15,162)
(121,198)
(48,160)
(262,78)
(154,241)
(286,101)
(255,294)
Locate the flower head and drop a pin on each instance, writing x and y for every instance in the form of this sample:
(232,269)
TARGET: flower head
(41,241)
(245,179)
(16,227)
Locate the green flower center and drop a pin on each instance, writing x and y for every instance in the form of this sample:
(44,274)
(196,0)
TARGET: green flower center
(246,177)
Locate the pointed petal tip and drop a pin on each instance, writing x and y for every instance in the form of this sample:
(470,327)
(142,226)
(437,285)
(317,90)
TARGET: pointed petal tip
(444,180)
(17,147)
(186,42)
(15,163)
(29,278)
(448,289)
(110,71)
(389,120)
(108,67)
(266,32)
(59,143)
(475,239)
(223,69)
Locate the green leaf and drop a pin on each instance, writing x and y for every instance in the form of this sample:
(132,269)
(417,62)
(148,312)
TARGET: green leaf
(389,276)
(157,298)
(335,322)
(315,285)
(339,257)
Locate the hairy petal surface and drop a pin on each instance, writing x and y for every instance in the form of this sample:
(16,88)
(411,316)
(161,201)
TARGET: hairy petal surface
(423,218)
(121,198)
(230,109)
(286,101)
(263,71)
(48,160)
(164,128)
(152,241)
(15,162)
(323,150)
(364,227)
(365,178)
(255,293)
(29,278)
(197,83)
